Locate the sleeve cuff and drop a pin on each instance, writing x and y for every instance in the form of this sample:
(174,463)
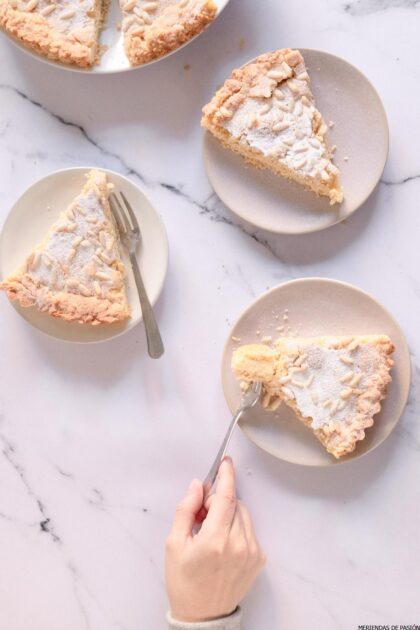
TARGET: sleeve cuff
(233,622)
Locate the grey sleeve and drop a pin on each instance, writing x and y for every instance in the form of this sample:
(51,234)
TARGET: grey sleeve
(233,622)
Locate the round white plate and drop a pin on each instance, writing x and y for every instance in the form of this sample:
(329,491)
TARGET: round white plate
(37,209)
(360,132)
(114,58)
(316,307)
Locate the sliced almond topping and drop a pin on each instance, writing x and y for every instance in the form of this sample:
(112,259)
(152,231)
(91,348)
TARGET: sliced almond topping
(301,358)
(285,379)
(297,368)
(298,109)
(288,142)
(103,276)
(281,126)
(97,288)
(72,283)
(253,121)
(265,109)
(310,380)
(48,10)
(346,377)
(346,359)
(266,400)
(356,380)
(71,254)
(277,75)
(67,15)
(300,164)
(46,259)
(84,290)
(31,5)
(327,403)
(346,393)
(293,86)
(303,76)
(334,407)
(33,260)
(149,7)
(226,113)
(297,383)
(129,6)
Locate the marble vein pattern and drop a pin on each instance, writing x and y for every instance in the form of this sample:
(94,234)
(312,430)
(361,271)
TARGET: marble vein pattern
(98,443)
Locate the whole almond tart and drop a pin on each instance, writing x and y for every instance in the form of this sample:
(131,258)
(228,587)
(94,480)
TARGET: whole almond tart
(68,31)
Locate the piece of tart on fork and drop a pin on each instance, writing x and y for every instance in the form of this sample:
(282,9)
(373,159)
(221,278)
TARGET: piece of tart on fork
(76,273)
(334,385)
(266,112)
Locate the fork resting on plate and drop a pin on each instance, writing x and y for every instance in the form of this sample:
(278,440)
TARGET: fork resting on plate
(130,235)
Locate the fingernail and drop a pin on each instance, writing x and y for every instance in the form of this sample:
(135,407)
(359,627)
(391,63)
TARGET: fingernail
(193,484)
(228,459)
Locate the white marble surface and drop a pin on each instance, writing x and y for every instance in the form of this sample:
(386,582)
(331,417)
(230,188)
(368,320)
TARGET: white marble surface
(97,443)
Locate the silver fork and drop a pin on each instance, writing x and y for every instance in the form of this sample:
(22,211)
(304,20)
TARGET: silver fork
(249,399)
(130,234)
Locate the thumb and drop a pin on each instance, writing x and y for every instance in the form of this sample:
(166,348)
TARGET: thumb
(187,509)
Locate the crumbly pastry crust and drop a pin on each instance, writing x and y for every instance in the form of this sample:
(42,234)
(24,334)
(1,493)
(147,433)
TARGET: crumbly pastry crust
(76,273)
(334,384)
(266,112)
(61,34)
(153,29)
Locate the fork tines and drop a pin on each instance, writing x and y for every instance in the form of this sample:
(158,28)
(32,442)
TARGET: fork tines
(124,215)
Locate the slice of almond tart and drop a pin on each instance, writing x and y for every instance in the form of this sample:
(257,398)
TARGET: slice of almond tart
(76,273)
(266,112)
(154,28)
(62,30)
(333,384)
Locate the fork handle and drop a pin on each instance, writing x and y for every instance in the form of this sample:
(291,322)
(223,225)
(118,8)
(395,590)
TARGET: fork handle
(208,482)
(154,340)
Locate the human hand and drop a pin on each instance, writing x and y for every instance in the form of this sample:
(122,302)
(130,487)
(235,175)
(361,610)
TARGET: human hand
(209,573)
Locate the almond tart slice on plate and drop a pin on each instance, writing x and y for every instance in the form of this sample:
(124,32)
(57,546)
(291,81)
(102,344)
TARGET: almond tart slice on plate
(65,31)
(266,112)
(334,384)
(76,273)
(155,28)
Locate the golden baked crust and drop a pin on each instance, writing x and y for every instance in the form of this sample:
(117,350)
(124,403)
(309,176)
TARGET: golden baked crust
(266,112)
(152,33)
(51,37)
(334,384)
(76,273)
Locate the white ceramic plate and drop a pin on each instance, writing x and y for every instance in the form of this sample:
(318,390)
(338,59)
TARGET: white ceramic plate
(33,214)
(114,59)
(315,307)
(346,97)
